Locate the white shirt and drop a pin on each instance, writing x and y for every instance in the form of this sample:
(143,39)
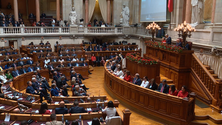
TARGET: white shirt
(47,61)
(61,60)
(22,25)
(73,59)
(3,78)
(103,26)
(110,112)
(119,73)
(144,84)
(53,21)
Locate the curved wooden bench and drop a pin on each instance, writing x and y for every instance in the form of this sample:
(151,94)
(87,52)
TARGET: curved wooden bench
(170,108)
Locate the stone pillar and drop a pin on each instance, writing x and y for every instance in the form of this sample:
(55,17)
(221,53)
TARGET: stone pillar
(188,11)
(213,11)
(57,9)
(87,11)
(16,10)
(37,11)
(108,11)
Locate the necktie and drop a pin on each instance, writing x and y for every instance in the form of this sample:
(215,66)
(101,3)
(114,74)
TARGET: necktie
(162,88)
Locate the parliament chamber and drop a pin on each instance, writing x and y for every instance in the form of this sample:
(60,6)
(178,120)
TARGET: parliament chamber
(110,62)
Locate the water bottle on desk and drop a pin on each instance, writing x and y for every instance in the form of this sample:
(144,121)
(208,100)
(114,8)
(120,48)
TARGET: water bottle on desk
(80,118)
(63,118)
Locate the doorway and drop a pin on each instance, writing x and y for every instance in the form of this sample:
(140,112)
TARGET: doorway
(13,43)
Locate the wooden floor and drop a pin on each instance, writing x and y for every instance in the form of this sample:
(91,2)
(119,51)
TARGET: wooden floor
(96,85)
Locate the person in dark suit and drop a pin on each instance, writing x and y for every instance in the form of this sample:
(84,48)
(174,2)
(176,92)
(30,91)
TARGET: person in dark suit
(20,62)
(152,84)
(168,39)
(76,108)
(113,66)
(50,67)
(179,43)
(98,60)
(90,48)
(41,43)
(43,15)
(68,59)
(37,67)
(163,87)
(62,109)
(137,79)
(13,64)
(22,70)
(54,59)
(15,72)
(31,15)
(29,62)
(96,48)
(31,90)
(82,58)
(30,69)
(14,52)
(54,90)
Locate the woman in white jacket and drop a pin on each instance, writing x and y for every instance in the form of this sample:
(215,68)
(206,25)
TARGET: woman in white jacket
(119,72)
(145,82)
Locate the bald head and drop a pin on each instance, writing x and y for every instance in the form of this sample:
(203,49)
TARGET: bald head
(62,104)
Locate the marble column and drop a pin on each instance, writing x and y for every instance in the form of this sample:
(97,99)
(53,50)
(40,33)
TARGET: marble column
(213,11)
(108,11)
(188,11)
(37,11)
(57,9)
(16,10)
(86,11)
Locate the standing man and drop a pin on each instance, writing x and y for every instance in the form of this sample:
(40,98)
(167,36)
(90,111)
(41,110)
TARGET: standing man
(168,39)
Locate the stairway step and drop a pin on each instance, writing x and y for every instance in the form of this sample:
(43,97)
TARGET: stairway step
(215,76)
(207,67)
(211,71)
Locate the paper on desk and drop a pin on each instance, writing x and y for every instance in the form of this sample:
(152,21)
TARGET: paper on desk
(16,124)
(37,111)
(7,118)
(89,109)
(2,107)
(89,123)
(56,102)
(62,96)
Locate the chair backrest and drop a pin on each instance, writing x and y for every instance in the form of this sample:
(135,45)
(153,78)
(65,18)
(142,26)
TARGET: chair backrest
(115,120)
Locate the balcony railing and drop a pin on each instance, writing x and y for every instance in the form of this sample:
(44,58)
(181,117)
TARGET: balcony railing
(71,30)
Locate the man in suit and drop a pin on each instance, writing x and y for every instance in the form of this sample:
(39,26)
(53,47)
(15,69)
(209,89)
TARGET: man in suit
(73,49)
(68,59)
(37,67)
(50,67)
(76,108)
(20,62)
(15,72)
(113,66)
(61,65)
(124,49)
(62,109)
(96,48)
(74,74)
(77,64)
(82,58)
(43,15)
(54,90)
(54,59)
(30,61)
(54,121)
(163,87)
(74,54)
(22,70)
(31,90)
(137,79)
(13,64)
(14,52)
(98,60)
(168,39)
(90,48)
(30,69)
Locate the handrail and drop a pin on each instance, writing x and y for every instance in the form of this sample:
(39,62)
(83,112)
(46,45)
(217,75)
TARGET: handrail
(205,69)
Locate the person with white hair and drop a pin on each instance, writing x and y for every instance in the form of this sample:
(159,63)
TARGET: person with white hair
(137,80)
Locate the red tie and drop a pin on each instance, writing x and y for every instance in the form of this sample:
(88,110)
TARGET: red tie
(162,88)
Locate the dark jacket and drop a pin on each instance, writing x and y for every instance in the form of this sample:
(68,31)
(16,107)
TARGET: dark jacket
(77,109)
(166,88)
(61,110)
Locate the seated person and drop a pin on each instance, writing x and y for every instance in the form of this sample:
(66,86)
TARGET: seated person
(183,92)
(145,82)
(61,65)
(137,79)
(119,72)
(30,69)
(68,58)
(76,108)
(15,72)
(73,49)
(95,121)
(44,109)
(54,90)
(25,57)
(61,59)
(163,87)
(46,61)
(37,67)
(50,67)
(31,90)
(179,43)
(20,62)
(7,66)
(54,121)
(8,75)
(74,59)
(74,54)
(93,58)
(82,58)
(172,90)
(152,85)
(30,61)
(163,40)
(22,70)
(127,76)
(110,110)
(54,59)
(62,109)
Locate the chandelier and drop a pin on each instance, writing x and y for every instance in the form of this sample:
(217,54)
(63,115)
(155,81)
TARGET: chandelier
(152,27)
(184,30)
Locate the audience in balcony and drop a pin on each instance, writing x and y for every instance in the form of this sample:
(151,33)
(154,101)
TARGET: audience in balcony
(163,40)
(163,87)
(183,92)
(179,43)
(145,82)
(8,75)
(152,85)
(137,79)
(173,91)
(127,76)
(168,39)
